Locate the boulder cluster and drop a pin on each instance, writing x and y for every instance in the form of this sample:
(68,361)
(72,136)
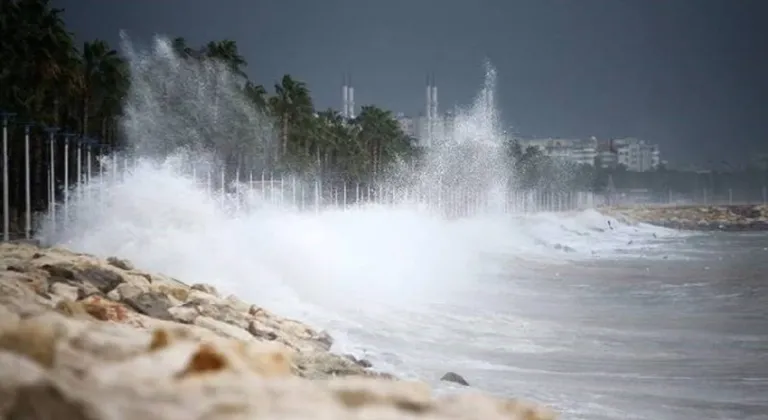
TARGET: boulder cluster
(702,218)
(86,338)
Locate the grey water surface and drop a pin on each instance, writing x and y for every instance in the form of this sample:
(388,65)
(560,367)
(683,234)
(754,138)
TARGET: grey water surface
(678,330)
(641,338)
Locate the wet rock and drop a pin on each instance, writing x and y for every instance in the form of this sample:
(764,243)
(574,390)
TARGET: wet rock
(18,298)
(64,290)
(325,340)
(184,314)
(207,288)
(114,351)
(709,218)
(237,304)
(256,331)
(120,263)
(325,365)
(125,291)
(104,280)
(64,271)
(174,292)
(219,311)
(152,304)
(197,295)
(72,309)
(455,378)
(223,329)
(360,362)
(105,309)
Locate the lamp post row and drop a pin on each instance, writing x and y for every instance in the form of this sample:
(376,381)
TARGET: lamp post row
(79,142)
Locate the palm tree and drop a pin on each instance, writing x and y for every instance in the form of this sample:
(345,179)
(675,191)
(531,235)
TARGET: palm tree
(381,136)
(41,54)
(330,136)
(182,50)
(292,106)
(256,94)
(101,67)
(226,52)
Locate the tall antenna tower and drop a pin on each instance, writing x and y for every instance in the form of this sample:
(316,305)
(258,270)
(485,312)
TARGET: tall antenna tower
(344,96)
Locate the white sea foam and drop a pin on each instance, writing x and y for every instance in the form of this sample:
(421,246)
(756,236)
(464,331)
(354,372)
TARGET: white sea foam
(390,281)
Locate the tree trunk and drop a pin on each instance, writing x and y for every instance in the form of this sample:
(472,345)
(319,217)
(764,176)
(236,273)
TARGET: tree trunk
(84,118)
(56,111)
(104,130)
(284,146)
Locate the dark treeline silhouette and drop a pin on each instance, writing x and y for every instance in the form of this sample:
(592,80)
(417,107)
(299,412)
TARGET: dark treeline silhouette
(48,84)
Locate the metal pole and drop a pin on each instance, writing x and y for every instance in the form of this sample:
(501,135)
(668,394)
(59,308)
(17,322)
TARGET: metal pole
(272,188)
(101,174)
(79,147)
(344,200)
(263,190)
(27,187)
(89,155)
(88,173)
(6,186)
(317,196)
(357,193)
(114,167)
(66,176)
(52,174)
(223,193)
(238,194)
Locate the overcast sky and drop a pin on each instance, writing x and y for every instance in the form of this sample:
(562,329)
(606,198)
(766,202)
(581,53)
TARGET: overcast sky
(689,75)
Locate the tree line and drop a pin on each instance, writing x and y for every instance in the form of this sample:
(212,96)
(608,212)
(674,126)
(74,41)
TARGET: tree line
(48,81)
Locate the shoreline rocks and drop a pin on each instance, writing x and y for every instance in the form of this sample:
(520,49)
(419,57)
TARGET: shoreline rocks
(455,378)
(698,218)
(85,338)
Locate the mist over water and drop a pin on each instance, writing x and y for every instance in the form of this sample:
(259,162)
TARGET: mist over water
(512,301)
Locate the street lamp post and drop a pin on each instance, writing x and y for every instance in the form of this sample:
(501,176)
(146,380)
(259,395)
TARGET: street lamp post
(66,136)
(27,186)
(52,172)
(6,207)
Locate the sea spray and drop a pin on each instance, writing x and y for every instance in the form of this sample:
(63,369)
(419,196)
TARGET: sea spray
(192,108)
(385,278)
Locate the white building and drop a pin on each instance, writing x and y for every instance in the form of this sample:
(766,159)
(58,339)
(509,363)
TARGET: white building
(636,155)
(577,151)
(607,158)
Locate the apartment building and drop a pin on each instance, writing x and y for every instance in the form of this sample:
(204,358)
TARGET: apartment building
(577,151)
(634,154)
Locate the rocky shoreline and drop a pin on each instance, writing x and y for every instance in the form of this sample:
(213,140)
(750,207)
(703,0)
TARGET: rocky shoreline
(698,218)
(86,338)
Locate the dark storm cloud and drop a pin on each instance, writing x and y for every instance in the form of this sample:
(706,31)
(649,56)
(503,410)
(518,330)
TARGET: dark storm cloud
(688,74)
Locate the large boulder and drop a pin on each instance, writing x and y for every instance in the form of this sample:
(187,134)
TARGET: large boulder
(83,338)
(455,378)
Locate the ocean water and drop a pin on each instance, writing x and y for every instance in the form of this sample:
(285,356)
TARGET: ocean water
(598,318)
(634,321)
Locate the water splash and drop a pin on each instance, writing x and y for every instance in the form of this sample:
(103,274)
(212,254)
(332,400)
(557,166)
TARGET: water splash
(468,150)
(193,109)
(378,276)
